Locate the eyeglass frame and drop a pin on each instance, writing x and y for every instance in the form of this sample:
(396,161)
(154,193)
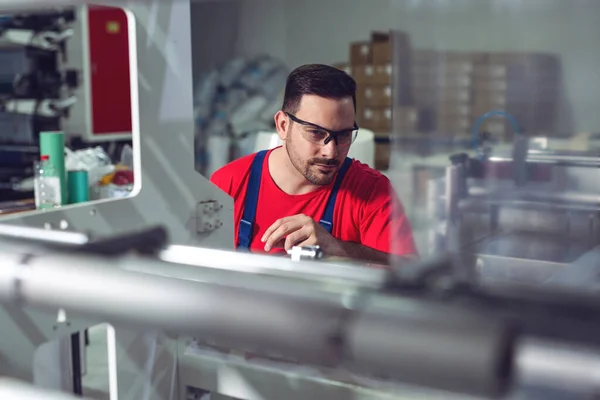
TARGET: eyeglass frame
(332,134)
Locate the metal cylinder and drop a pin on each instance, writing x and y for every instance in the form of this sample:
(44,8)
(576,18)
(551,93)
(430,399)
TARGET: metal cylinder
(434,346)
(560,368)
(296,324)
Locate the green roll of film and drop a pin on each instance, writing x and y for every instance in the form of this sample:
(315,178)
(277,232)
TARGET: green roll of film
(52,144)
(78,186)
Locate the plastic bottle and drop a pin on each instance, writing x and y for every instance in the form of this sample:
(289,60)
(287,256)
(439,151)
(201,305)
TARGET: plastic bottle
(46,184)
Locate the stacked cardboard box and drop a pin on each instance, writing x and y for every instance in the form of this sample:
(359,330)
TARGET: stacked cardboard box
(443,93)
(524,85)
(442,87)
(452,89)
(379,80)
(381,68)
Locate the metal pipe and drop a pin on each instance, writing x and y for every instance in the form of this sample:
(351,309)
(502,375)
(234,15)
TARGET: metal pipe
(565,160)
(453,350)
(293,322)
(42,235)
(542,196)
(286,320)
(555,366)
(452,198)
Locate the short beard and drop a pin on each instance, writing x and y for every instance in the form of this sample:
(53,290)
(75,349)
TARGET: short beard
(308,169)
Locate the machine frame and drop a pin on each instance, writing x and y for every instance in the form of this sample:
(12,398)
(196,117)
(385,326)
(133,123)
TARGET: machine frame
(167,191)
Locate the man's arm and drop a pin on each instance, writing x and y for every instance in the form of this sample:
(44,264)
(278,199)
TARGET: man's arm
(384,227)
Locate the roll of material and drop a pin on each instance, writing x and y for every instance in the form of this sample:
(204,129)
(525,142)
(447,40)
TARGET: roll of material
(78,186)
(52,144)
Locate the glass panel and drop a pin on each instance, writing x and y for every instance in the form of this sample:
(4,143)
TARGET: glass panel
(494,148)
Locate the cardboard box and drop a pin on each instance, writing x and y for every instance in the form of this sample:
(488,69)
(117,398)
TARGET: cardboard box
(490,71)
(377,119)
(453,109)
(363,74)
(382,155)
(453,125)
(360,53)
(443,68)
(421,79)
(384,120)
(385,45)
(535,60)
(383,74)
(377,95)
(487,99)
(499,85)
(432,96)
(405,119)
(372,74)
(382,52)
(434,56)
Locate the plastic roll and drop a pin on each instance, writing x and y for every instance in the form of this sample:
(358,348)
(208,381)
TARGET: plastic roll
(52,144)
(78,186)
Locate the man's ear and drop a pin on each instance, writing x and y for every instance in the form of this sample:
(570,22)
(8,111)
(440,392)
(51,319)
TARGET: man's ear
(282,124)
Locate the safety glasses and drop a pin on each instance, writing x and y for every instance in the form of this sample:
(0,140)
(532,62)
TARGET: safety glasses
(318,135)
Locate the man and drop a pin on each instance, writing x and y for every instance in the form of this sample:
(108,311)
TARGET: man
(307,192)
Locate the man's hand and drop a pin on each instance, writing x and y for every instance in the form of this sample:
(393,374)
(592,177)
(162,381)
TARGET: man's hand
(297,230)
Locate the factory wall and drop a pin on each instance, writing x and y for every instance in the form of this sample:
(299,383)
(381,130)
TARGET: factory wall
(308,31)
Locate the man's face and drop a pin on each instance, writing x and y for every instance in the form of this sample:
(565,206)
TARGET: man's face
(319,162)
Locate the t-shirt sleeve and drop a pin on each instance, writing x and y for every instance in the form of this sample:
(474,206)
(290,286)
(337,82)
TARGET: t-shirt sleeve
(384,225)
(222,180)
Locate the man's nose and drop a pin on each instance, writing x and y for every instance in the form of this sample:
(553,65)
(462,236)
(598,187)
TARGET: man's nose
(329,150)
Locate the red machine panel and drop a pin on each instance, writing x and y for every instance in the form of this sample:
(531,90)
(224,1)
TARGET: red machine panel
(110,95)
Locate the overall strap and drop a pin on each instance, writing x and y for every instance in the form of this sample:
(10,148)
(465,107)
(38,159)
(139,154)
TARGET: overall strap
(246,228)
(327,219)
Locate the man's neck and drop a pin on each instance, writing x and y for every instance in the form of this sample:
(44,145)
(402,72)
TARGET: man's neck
(286,176)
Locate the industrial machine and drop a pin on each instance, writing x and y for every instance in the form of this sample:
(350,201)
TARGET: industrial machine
(277,328)
(167,189)
(524,213)
(188,316)
(37,90)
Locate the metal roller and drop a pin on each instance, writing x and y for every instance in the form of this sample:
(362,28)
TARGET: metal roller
(296,325)
(432,345)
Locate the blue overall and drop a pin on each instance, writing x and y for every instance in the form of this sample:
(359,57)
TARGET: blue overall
(246,229)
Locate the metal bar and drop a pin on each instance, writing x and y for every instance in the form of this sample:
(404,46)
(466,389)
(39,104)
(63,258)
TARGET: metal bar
(284,267)
(264,379)
(562,159)
(542,196)
(42,235)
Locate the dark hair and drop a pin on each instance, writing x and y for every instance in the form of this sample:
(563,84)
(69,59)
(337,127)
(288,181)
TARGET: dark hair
(320,80)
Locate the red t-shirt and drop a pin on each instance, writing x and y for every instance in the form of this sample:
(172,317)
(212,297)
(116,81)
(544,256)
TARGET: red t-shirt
(366,211)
